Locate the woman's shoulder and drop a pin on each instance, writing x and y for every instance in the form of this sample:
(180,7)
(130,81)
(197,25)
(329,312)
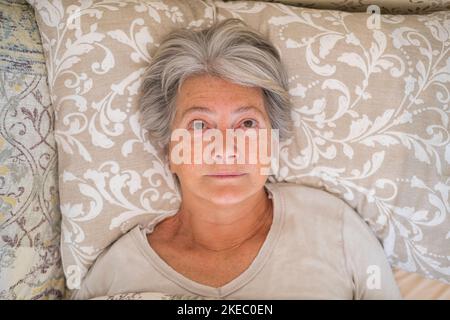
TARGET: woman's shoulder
(309,203)
(127,240)
(316,214)
(128,247)
(335,232)
(108,265)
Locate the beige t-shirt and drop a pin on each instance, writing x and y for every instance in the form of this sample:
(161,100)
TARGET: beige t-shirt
(317,248)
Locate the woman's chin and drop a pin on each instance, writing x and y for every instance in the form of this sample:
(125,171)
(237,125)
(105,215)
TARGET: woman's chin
(226,194)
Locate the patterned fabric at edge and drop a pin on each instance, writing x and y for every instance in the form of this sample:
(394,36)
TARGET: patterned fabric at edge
(30,262)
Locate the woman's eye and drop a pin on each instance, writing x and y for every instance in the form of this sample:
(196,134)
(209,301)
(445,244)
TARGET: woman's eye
(250,123)
(198,125)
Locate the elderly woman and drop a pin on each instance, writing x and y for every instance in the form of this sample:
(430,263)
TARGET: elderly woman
(236,235)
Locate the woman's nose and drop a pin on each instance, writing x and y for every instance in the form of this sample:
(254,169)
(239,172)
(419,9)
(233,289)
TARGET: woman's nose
(228,154)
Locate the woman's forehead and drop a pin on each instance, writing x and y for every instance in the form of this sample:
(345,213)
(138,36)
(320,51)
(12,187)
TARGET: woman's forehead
(206,94)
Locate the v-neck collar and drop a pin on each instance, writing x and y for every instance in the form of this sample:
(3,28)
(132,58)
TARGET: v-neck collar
(140,236)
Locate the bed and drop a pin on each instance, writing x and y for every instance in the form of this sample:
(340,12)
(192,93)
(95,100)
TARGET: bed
(58,208)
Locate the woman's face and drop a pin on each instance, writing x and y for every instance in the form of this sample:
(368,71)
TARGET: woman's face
(206,102)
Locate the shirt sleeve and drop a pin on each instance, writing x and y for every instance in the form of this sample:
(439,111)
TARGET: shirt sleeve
(366,261)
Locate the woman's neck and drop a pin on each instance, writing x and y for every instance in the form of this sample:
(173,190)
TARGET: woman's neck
(206,226)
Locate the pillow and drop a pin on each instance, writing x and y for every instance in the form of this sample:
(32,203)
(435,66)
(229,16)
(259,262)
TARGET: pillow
(371,114)
(371,110)
(30,261)
(385,6)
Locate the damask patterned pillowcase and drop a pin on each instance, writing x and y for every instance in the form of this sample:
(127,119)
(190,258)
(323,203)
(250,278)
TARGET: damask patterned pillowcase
(370,109)
(382,6)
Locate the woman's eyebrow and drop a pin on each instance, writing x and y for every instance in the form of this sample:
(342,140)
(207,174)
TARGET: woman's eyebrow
(196,109)
(247,108)
(209,111)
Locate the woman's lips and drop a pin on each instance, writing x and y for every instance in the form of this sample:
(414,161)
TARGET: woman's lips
(225,175)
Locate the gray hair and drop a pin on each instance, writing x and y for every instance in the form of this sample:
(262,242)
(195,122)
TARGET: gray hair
(229,50)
